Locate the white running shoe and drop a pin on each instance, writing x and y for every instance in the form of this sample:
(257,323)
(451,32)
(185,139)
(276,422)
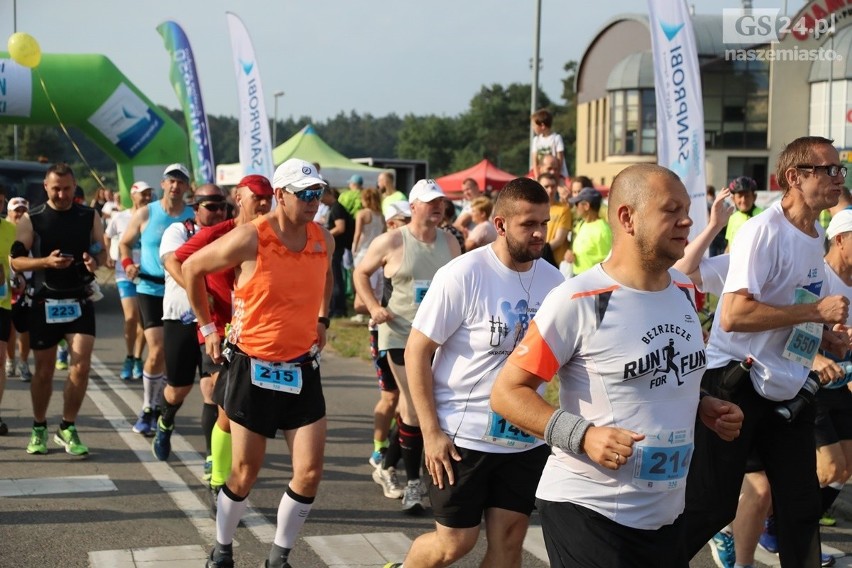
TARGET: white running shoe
(389,482)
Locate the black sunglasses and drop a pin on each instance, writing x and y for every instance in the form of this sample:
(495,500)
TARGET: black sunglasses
(213,206)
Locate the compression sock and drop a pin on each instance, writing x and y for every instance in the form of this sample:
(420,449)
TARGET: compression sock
(208,420)
(394,452)
(169,412)
(293,511)
(411,444)
(379,445)
(229,511)
(220,449)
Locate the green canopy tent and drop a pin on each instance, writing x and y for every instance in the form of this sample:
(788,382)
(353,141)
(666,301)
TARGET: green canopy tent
(307,145)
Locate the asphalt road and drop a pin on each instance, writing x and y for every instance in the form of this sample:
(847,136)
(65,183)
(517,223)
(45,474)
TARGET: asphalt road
(121,507)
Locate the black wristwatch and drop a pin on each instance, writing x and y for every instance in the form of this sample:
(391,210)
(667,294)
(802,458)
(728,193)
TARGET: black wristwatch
(325,321)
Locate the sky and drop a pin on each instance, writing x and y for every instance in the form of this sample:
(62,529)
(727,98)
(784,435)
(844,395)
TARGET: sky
(331,56)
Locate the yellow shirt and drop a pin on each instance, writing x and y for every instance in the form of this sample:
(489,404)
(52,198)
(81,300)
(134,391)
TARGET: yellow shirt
(560,218)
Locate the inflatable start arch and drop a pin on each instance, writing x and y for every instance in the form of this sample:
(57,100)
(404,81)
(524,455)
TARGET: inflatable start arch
(90,93)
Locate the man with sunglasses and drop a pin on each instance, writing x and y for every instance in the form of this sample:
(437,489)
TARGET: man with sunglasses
(774,311)
(281,303)
(147,226)
(179,328)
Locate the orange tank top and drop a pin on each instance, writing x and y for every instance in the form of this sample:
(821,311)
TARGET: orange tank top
(275,311)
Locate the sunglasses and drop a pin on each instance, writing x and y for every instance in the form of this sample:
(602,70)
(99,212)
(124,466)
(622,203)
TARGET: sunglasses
(213,206)
(308,195)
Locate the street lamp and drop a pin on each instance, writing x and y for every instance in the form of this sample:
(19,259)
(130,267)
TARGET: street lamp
(275,118)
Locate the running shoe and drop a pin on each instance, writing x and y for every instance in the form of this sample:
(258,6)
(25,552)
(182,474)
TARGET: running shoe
(389,482)
(162,444)
(11,370)
(220,560)
(722,549)
(62,359)
(137,369)
(26,374)
(154,421)
(70,440)
(376,457)
(412,501)
(826,559)
(3,428)
(143,423)
(38,441)
(827,520)
(768,540)
(127,368)
(208,469)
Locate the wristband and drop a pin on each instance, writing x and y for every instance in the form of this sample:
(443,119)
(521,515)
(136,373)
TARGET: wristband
(207,329)
(566,431)
(325,321)
(125,262)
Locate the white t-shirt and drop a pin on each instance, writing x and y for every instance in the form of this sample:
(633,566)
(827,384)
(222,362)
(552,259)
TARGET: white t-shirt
(115,228)
(176,304)
(477,309)
(551,144)
(771,259)
(835,286)
(713,271)
(630,359)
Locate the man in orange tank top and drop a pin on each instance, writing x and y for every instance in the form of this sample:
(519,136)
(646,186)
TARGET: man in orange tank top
(282,261)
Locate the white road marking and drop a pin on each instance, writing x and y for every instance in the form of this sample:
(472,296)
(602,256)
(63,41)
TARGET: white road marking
(371,550)
(161,557)
(534,543)
(55,485)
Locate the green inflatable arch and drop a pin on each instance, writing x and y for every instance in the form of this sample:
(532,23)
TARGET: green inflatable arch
(90,93)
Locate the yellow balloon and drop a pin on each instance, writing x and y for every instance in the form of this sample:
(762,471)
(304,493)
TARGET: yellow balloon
(24,49)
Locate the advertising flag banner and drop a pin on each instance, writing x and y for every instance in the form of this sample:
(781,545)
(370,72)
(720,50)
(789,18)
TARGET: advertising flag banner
(255,142)
(680,112)
(184,78)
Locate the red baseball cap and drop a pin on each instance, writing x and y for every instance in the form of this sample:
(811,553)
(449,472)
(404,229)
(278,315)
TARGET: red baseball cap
(258,185)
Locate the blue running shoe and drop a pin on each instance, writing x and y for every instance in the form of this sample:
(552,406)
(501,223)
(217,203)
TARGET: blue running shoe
(126,368)
(722,549)
(62,358)
(768,540)
(143,424)
(162,444)
(137,370)
(376,457)
(826,559)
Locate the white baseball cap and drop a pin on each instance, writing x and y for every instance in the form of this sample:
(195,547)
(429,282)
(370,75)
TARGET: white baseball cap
(18,202)
(425,190)
(297,174)
(139,187)
(398,209)
(176,171)
(840,223)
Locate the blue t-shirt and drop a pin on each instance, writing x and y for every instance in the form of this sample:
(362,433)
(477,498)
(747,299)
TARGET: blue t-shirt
(150,265)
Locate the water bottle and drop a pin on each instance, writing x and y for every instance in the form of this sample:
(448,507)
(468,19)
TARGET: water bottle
(788,410)
(731,380)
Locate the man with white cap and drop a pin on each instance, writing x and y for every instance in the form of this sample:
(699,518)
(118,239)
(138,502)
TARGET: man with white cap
(147,227)
(281,301)
(140,194)
(410,258)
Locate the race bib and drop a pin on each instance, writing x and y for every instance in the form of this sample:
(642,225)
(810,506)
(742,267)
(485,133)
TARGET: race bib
(500,431)
(62,311)
(281,377)
(420,289)
(661,462)
(803,342)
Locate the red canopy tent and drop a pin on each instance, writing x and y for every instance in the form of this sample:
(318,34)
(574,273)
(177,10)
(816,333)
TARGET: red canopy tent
(487,175)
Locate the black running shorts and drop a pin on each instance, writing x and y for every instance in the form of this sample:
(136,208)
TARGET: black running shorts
(151,309)
(45,335)
(180,345)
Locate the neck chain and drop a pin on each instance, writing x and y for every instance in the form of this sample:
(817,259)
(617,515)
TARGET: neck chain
(526,289)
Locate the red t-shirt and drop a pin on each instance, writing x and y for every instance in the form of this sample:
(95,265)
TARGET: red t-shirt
(220,285)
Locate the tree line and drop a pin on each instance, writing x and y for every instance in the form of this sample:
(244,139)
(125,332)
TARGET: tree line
(495,126)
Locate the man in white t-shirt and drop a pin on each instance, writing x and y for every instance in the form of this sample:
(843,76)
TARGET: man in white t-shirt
(141,195)
(477,309)
(614,486)
(773,311)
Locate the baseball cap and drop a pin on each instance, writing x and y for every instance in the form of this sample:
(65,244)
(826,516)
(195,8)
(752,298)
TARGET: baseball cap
(398,209)
(840,223)
(176,171)
(425,190)
(296,173)
(590,194)
(258,185)
(17,203)
(139,187)
(356,179)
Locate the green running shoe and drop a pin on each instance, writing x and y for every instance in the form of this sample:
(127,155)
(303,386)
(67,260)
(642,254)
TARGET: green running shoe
(70,440)
(38,441)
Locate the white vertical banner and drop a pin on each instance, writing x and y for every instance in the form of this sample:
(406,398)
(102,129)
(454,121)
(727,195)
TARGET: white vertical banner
(680,111)
(255,142)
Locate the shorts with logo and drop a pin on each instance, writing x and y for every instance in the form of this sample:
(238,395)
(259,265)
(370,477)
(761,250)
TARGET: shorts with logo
(126,289)
(180,341)
(265,411)
(21,315)
(485,481)
(5,324)
(151,309)
(45,335)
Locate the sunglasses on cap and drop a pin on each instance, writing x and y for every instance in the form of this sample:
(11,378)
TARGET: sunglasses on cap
(307,195)
(210,206)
